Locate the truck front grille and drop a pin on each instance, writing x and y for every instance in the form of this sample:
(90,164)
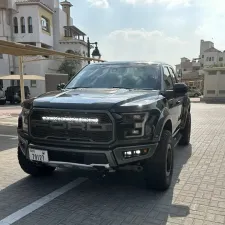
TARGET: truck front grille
(102,132)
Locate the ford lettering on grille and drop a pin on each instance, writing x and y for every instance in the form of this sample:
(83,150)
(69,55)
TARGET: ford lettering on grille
(71,126)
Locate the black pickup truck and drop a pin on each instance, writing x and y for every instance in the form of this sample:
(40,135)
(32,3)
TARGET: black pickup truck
(110,116)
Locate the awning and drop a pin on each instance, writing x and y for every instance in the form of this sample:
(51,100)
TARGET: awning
(21,50)
(25,77)
(17,49)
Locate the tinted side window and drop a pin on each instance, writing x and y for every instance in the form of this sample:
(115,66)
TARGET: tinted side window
(168,84)
(173,75)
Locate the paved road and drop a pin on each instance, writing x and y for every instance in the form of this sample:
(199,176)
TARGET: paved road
(8,137)
(6,110)
(197,195)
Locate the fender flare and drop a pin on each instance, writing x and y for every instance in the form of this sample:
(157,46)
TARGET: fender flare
(187,108)
(163,119)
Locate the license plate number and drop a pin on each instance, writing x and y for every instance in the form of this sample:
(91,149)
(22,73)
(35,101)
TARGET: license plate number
(38,155)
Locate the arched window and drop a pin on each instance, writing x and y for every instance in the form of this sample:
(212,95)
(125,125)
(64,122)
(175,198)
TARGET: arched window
(15,24)
(22,23)
(30,26)
(45,24)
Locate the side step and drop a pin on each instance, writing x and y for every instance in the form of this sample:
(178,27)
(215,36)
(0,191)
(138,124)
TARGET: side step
(177,138)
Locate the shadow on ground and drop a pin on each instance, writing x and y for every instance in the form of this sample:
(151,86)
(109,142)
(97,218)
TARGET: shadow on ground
(118,200)
(145,206)
(7,137)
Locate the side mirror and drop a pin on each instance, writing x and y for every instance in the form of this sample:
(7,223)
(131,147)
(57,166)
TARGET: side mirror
(180,88)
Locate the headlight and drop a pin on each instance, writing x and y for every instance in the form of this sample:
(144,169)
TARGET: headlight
(25,115)
(134,124)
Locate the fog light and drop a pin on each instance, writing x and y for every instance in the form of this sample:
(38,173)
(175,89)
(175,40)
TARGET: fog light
(135,153)
(138,152)
(129,153)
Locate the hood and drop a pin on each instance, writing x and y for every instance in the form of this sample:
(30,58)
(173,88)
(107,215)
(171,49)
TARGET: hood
(86,98)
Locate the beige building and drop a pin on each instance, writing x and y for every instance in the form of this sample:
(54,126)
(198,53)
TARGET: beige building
(207,72)
(193,79)
(42,23)
(214,83)
(190,73)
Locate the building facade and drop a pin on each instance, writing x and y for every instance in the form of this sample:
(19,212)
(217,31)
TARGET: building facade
(207,72)
(190,72)
(42,23)
(214,84)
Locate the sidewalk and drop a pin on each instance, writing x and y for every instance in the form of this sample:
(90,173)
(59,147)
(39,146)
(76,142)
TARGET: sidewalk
(8,120)
(9,115)
(10,111)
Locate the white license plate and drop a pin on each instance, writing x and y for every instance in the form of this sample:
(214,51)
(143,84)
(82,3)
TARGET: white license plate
(38,155)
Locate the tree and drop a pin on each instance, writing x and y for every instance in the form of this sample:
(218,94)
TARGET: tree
(70,66)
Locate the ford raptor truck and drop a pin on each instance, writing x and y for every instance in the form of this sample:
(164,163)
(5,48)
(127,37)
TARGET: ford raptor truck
(109,116)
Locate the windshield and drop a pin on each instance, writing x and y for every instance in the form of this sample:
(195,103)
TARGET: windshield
(132,76)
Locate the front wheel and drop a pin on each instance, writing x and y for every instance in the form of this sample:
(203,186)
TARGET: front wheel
(158,169)
(32,168)
(186,132)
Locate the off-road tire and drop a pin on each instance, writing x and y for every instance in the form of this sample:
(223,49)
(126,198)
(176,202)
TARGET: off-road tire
(32,168)
(156,168)
(186,132)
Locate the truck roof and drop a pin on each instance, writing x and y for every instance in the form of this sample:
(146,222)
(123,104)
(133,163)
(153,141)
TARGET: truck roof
(131,62)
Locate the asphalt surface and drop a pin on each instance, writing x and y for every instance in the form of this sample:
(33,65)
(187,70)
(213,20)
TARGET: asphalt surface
(8,137)
(196,197)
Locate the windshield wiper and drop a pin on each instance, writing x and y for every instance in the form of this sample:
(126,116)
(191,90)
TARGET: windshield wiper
(122,87)
(134,88)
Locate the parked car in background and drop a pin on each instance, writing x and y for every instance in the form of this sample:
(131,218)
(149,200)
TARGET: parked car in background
(2,97)
(194,92)
(13,94)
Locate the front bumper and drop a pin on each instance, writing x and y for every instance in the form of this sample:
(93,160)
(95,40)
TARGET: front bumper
(87,158)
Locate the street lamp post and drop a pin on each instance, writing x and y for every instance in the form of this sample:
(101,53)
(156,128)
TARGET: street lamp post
(95,53)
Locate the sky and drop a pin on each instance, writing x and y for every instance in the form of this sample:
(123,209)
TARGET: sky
(154,30)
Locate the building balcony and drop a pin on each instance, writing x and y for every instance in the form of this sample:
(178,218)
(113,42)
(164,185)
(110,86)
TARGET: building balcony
(72,32)
(73,35)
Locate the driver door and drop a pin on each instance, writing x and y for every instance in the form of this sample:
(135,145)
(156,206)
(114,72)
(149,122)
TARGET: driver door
(178,100)
(168,86)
